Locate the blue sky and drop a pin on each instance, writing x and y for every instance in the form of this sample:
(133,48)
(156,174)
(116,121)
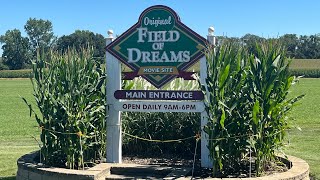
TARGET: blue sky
(268,18)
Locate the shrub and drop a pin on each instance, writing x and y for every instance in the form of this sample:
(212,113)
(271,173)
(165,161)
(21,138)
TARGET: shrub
(3,66)
(70,96)
(247,106)
(307,73)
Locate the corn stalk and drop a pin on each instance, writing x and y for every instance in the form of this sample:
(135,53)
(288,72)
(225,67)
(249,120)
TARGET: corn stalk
(247,105)
(69,94)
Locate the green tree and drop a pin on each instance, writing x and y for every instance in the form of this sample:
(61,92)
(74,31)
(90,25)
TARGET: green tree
(290,41)
(40,34)
(223,39)
(15,49)
(250,42)
(3,66)
(308,47)
(80,39)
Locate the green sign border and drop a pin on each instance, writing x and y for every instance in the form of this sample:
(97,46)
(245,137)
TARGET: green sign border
(179,25)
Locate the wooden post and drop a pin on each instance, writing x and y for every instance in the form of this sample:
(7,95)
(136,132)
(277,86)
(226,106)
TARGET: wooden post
(205,159)
(114,136)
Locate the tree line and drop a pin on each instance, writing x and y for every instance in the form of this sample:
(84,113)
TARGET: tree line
(19,51)
(298,47)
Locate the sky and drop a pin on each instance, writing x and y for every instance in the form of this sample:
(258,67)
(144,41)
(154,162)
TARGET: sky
(232,18)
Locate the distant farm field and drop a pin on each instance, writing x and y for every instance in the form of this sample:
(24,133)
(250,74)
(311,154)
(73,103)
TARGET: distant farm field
(17,128)
(297,65)
(305,67)
(305,64)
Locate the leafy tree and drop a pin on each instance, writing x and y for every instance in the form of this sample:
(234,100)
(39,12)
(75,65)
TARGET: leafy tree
(80,39)
(40,34)
(15,49)
(308,47)
(290,41)
(223,39)
(3,66)
(250,41)
(299,47)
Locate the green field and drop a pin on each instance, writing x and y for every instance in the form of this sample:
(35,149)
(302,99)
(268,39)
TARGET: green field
(17,128)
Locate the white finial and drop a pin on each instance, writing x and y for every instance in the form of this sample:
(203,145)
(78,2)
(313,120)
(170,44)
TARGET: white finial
(110,33)
(210,31)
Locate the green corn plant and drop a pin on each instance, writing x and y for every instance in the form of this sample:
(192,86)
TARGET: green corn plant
(176,84)
(69,93)
(160,126)
(269,81)
(246,105)
(226,107)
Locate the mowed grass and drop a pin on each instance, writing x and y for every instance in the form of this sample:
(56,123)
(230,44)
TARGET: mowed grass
(16,127)
(305,143)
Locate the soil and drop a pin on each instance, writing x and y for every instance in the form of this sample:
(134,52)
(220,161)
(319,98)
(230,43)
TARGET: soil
(164,161)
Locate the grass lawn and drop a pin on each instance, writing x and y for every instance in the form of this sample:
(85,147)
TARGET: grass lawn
(16,127)
(306,143)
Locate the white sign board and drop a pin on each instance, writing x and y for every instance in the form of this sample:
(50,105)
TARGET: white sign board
(159,106)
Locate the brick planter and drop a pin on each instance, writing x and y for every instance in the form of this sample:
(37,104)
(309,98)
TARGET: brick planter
(28,169)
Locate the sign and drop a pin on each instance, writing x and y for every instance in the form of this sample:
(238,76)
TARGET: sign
(159,47)
(158,95)
(159,106)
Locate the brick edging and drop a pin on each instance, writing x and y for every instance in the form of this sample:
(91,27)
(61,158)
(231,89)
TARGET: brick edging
(28,169)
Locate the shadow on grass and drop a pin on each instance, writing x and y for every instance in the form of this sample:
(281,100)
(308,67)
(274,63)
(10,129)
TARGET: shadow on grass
(312,176)
(8,178)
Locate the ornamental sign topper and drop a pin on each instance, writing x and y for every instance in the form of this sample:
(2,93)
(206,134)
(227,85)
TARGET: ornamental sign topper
(159,47)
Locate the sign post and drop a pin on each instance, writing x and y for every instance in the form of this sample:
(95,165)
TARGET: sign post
(205,160)
(114,136)
(159,48)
